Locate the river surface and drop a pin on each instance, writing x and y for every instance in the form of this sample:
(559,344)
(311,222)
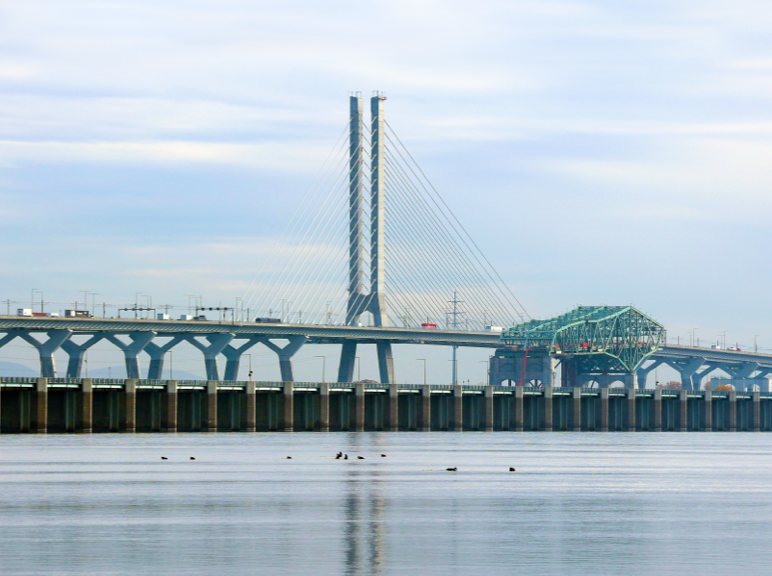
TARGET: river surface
(578,503)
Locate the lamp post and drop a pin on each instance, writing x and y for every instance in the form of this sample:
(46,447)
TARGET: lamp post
(324,366)
(32,299)
(424,361)
(487,371)
(250,365)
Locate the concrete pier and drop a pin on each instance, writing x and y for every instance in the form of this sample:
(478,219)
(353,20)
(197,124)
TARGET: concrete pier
(53,405)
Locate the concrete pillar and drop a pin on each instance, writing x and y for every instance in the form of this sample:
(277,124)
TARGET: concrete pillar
(41,405)
(604,409)
(519,406)
(489,408)
(87,404)
(548,408)
(707,407)
(385,362)
(458,408)
(171,405)
(323,425)
(577,406)
(733,411)
(285,355)
(631,404)
(252,406)
(359,407)
(393,407)
(130,388)
(288,416)
(211,406)
(658,410)
(46,349)
(348,358)
(426,408)
(682,406)
(756,411)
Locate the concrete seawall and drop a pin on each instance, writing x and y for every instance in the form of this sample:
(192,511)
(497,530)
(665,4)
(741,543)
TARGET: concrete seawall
(100,405)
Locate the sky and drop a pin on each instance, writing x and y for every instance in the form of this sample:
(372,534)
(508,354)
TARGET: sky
(598,152)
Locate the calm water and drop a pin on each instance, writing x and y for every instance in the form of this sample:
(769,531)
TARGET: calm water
(578,504)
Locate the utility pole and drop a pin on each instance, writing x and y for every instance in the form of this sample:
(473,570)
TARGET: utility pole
(424,361)
(324,366)
(455,314)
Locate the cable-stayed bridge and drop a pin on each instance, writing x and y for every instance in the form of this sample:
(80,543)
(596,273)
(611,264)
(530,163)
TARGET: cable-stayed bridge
(373,255)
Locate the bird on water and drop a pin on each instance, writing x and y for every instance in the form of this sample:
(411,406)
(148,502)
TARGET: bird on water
(360,457)
(383,455)
(339,455)
(345,457)
(192,458)
(164,458)
(454,469)
(289,458)
(511,469)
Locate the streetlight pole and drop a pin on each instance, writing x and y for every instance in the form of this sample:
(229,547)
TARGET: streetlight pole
(324,366)
(85,299)
(32,299)
(250,365)
(755,346)
(487,371)
(424,361)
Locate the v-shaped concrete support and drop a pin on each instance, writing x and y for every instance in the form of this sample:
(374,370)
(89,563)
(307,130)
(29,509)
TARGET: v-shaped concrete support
(46,349)
(139,340)
(217,343)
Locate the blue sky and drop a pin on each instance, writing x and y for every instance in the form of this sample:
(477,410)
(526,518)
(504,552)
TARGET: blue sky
(600,152)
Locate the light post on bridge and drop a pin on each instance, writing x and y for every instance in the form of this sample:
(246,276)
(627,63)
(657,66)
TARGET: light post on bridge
(487,371)
(324,367)
(424,361)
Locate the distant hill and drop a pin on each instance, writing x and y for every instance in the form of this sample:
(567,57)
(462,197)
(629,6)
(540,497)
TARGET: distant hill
(16,369)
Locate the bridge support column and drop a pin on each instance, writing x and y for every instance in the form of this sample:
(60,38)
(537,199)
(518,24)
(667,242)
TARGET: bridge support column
(393,407)
(519,408)
(87,404)
(707,412)
(687,369)
(604,409)
(171,405)
(288,414)
(348,357)
(385,362)
(139,340)
(733,411)
(323,425)
(45,349)
(683,404)
(756,397)
(548,408)
(41,406)
(252,406)
(643,373)
(286,354)
(426,409)
(576,396)
(458,408)
(359,407)
(489,408)
(233,357)
(76,353)
(131,405)
(658,410)
(217,343)
(157,354)
(631,406)
(211,406)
